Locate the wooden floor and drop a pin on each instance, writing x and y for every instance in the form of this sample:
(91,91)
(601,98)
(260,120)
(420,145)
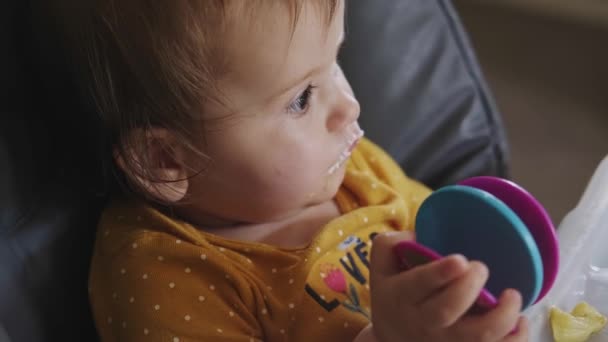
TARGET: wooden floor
(549,76)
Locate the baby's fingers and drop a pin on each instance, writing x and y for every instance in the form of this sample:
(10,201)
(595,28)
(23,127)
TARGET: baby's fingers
(445,307)
(422,282)
(498,323)
(520,334)
(384,262)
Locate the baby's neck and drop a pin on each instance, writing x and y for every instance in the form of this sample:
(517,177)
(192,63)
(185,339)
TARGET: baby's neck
(292,232)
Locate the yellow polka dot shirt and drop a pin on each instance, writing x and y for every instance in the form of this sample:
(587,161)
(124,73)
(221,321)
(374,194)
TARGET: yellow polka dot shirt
(156,278)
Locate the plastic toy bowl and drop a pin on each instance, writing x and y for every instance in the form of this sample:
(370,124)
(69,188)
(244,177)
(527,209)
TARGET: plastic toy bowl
(534,216)
(496,222)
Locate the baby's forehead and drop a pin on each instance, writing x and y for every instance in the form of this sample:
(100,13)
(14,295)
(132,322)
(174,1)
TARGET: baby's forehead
(270,51)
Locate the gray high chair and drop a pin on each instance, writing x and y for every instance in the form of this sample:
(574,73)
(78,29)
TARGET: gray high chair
(423,99)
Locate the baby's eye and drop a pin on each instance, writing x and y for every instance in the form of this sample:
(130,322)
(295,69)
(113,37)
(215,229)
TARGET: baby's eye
(300,105)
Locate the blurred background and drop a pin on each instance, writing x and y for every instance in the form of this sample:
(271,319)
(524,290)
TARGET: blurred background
(546,62)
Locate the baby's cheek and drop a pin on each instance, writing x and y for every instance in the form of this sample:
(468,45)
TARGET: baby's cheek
(297,175)
(306,166)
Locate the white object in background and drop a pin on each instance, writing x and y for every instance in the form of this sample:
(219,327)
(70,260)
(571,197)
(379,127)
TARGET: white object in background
(583,274)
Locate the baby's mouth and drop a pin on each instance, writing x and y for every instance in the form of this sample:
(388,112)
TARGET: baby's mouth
(353,135)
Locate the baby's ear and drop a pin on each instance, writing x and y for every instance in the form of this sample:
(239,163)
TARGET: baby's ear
(153,160)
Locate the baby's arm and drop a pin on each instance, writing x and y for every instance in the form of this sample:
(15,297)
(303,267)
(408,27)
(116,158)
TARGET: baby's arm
(156,289)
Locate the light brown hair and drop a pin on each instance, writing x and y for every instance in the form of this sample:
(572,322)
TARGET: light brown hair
(154,63)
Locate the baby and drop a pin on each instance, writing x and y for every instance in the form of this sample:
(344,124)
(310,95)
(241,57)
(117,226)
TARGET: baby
(253,198)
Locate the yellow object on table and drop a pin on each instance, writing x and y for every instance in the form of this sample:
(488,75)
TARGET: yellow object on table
(577,326)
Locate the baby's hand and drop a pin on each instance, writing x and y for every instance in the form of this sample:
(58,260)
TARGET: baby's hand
(430,302)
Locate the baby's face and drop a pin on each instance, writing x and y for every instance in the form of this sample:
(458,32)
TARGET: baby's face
(293,120)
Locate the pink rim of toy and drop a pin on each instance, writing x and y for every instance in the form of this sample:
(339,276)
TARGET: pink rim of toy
(412,254)
(534,216)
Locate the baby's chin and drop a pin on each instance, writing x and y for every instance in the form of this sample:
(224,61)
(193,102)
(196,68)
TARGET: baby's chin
(330,187)
(337,178)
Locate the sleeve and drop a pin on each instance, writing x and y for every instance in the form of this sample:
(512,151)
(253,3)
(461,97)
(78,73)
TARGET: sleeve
(371,157)
(153,291)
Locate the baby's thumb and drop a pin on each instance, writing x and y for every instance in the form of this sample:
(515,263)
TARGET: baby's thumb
(384,261)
